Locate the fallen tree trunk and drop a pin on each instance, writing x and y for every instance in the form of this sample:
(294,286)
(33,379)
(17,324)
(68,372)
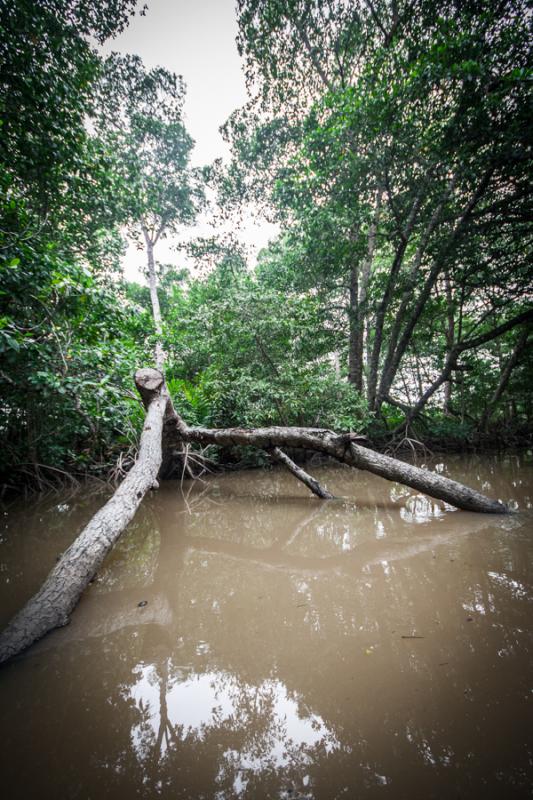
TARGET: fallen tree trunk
(52,605)
(342,448)
(164,429)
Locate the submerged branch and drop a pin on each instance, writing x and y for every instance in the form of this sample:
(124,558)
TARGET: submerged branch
(301,474)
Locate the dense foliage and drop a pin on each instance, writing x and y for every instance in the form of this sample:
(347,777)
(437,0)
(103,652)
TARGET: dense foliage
(65,348)
(390,140)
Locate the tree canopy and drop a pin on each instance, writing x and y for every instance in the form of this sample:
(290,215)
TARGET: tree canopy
(390,141)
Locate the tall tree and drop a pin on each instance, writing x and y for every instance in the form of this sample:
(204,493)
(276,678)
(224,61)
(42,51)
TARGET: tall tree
(140,116)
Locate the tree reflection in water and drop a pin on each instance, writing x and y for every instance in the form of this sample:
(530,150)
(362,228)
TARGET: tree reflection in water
(277,655)
(258,730)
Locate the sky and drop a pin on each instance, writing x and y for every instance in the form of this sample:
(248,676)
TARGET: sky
(195,39)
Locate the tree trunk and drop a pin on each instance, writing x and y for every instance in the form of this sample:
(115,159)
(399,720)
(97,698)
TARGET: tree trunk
(383,306)
(387,378)
(154,297)
(343,448)
(355,345)
(427,287)
(450,340)
(52,605)
(364,282)
(172,463)
(504,378)
(359,282)
(451,363)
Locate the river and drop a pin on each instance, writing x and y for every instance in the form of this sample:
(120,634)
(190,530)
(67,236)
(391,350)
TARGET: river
(247,640)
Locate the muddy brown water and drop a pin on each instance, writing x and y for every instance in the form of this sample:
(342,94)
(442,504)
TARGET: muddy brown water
(376,645)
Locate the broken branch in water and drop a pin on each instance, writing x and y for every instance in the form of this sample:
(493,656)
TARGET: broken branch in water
(301,474)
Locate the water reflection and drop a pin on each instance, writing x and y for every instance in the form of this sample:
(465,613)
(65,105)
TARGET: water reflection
(260,729)
(376,644)
(420,509)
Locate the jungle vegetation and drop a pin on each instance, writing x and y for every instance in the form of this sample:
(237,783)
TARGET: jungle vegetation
(390,139)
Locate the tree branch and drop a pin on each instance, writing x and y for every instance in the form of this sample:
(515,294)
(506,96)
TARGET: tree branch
(301,474)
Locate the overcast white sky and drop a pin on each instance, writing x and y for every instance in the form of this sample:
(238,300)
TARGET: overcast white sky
(196,39)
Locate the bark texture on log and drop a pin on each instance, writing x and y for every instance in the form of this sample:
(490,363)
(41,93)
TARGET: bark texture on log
(342,448)
(52,605)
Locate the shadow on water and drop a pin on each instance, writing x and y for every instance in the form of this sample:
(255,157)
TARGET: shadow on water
(374,645)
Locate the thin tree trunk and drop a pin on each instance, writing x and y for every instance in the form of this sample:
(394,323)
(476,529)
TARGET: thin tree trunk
(450,338)
(504,378)
(359,282)
(429,283)
(371,246)
(169,463)
(407,296)
(451,362)
(385,302)
(154,297)
(355,344)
